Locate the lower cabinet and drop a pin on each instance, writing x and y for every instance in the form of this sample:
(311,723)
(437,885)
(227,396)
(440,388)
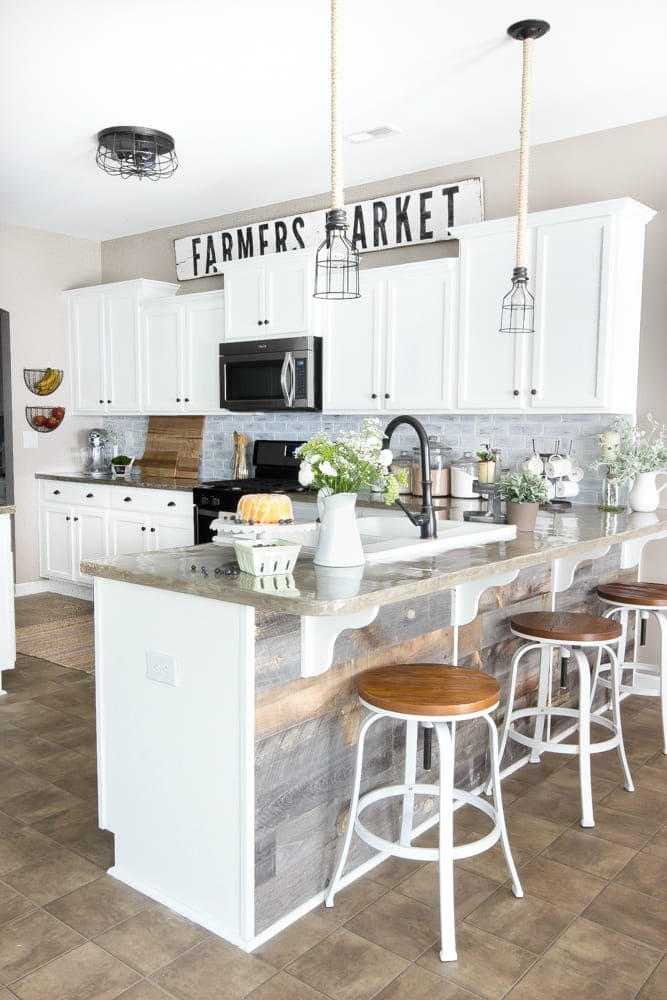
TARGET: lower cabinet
(79,521)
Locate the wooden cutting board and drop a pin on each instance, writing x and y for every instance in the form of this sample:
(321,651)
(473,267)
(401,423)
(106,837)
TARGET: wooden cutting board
(173,447)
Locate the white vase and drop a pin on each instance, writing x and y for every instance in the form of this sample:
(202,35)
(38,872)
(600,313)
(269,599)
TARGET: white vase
(339,543)
(645,495)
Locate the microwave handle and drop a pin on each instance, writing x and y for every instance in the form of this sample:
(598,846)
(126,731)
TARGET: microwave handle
(288,371)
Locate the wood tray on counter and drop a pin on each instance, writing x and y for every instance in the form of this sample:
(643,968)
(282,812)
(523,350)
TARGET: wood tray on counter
(173,447)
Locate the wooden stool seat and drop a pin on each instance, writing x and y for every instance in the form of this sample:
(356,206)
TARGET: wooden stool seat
(652,595)
(428,689)
(566,626)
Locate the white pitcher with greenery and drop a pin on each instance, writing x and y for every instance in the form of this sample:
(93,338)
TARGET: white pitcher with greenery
(639,456)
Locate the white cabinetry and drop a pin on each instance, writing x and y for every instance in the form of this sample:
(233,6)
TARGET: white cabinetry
(103,324)
(585,269)
(7,625)
(79,521)
(270,297)
(392,349)
(180,340)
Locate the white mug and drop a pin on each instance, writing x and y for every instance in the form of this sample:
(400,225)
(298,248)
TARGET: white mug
(576,474)
(565,488)
(533,464)
(551,489)
(557,466)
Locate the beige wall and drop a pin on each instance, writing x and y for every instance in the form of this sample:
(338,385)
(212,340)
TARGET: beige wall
(35,267)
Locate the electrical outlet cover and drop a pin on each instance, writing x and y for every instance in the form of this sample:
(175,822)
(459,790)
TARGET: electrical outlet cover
(161,667)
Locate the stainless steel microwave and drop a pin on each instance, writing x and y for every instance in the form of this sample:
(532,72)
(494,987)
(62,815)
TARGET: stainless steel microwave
(280,374)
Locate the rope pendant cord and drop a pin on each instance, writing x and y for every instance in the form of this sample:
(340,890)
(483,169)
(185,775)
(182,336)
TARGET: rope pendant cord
(524,150)
(337,201)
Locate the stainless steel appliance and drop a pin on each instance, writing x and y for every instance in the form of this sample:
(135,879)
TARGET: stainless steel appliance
(280,374)
(276,471)
(97,454)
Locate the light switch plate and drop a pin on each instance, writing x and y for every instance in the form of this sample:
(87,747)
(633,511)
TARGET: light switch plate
(30,439)
(161,667)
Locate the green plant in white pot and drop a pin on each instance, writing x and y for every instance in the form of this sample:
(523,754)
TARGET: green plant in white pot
(523,492)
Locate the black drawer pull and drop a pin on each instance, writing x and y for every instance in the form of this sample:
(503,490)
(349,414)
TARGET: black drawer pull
(127,499)
(56,493)
(89,496)
(172,503)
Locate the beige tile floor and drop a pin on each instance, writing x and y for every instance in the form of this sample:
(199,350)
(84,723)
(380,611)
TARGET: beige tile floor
(593,922)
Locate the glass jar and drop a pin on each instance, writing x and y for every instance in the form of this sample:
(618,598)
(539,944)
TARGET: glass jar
(464,474)
(440,459)
(403,463)
(613,495)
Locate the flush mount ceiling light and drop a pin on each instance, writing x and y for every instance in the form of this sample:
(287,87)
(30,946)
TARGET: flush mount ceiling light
(518,309)
(129,151)
(337,261)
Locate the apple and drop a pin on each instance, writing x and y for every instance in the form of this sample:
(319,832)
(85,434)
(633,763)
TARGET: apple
(39,420)
(52,421)
(58,412)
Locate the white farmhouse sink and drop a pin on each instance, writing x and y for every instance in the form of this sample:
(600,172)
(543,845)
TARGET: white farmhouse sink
(391,537)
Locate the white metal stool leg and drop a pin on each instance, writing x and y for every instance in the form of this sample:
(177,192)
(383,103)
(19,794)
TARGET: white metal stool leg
(498,806)
(662,625)
(615,676)
(446,844)
(543,692)
(585,785)
(354,801)
(409,778)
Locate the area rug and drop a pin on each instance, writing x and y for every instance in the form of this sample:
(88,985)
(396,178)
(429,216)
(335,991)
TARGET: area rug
(56,628)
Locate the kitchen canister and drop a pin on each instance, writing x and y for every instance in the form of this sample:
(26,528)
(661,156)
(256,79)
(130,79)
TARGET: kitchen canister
(403,464)
(463,475)
(440,478)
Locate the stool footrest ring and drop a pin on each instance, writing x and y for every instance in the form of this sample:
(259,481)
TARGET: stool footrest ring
(641,671)
(550,746)
(412,852)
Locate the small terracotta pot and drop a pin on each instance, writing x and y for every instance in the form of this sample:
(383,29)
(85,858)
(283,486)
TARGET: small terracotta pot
(523,515)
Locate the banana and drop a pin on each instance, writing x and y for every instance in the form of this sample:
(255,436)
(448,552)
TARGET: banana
(48,382)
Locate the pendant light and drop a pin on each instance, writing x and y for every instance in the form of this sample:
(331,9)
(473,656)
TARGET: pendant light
(517,314)
(129,151)
(337,261)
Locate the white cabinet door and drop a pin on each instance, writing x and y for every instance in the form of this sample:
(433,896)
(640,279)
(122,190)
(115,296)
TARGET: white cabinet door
(87,354)
(289,294)
(490,363)
(128,533)
(204,328)
(352,361)
(245,301)
(421,314)
(570,342)
(162,347)
(123,373)
(89,537)
(171,533)
(55,542)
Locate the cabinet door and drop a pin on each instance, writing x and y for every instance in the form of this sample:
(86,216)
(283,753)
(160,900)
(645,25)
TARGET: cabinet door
(87,354)
(123,372)
(90,540)
(245,301)
(353,351)
(569,346)
(204,331)
(289,293)
(490,363)
(162,337)
(421,314)
(171,533)
(55,542)
(128,533)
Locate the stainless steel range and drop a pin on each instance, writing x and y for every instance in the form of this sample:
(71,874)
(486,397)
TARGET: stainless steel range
(276,471)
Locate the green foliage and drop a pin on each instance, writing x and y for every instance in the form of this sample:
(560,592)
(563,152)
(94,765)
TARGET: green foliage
(526,487)
(121,460)
(639,451)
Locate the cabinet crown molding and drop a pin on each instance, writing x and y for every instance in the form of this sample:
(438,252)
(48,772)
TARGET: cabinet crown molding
(553,216)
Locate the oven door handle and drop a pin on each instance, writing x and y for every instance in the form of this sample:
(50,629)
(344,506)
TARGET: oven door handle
(288,379)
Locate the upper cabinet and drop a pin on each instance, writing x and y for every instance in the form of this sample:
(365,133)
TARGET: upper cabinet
(180,342)
(585,268)
(393,348)
(103,323)
(272,296)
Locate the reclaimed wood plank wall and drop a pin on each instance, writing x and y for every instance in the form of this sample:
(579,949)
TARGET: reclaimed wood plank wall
(306,729)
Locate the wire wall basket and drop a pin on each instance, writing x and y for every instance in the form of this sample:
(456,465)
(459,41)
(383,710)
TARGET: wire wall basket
(43,381)
(44,418)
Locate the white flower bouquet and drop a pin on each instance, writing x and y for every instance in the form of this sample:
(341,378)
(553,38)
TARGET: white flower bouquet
(637,451)
(356,461)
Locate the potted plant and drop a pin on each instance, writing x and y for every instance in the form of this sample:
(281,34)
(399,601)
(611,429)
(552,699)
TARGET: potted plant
(488,465)
(630,453)
(121,465)
(523,493)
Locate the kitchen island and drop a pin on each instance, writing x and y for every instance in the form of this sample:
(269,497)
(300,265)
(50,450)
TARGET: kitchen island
(7,628)
(226,706)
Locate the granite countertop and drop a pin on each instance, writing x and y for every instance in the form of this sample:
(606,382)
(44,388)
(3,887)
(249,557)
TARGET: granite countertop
(136,479)
(315,590)
(7,510)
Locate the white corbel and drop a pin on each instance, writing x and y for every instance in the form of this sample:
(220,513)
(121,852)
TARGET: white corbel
(319,634)
(563,568)
(631,551)
(465,596)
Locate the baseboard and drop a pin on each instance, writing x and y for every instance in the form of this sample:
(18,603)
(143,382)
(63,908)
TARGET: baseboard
(54,587)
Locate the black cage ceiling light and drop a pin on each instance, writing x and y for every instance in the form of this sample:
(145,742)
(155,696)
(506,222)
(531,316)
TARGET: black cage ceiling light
(518,309)
(129,151)
(337,260)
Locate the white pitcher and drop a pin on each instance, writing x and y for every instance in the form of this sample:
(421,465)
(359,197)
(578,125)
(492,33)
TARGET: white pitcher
(645,495)
(339,542)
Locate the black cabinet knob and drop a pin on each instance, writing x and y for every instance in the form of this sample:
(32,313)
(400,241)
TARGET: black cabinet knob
(67,517)
(102,402)
(143,527)
(186,400)
(515,392)
(56,493)
(259,322)
(89,496)
(75,519)
(127,499)
(387,396)
(172,503)
(178,399)
(533,392)
(152,529)
(108,400)
(266,322)
(374,395)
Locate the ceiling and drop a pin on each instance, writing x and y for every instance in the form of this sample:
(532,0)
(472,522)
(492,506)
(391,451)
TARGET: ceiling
(243,86)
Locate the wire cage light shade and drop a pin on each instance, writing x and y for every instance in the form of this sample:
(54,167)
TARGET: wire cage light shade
(337,261)
(518,311)
(128,151)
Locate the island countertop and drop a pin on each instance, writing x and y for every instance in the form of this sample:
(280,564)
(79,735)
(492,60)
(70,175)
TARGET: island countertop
(315,590)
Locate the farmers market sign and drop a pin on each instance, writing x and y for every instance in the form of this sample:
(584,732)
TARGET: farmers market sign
(424,216)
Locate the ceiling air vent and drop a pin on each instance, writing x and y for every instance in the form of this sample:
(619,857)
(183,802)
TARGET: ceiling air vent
(373,133)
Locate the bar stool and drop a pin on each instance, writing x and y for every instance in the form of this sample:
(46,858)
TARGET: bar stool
(438,697)
(572,632)
(646,679)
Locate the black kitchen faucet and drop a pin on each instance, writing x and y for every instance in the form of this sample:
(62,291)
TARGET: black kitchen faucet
(425,520)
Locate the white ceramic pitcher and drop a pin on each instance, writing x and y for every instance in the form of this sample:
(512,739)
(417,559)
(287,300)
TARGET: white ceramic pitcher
(339,542)
(645,495)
